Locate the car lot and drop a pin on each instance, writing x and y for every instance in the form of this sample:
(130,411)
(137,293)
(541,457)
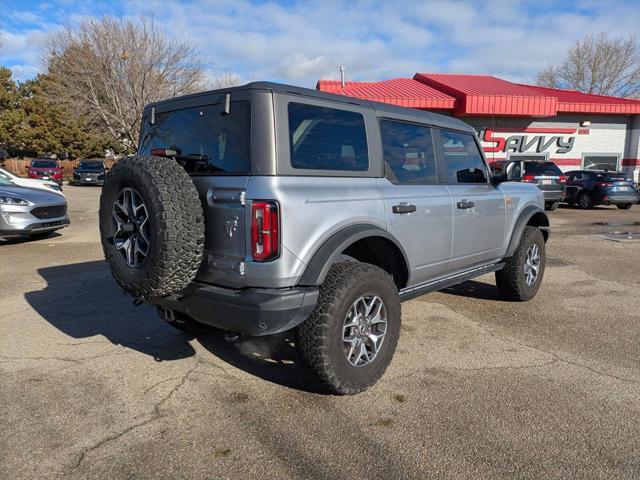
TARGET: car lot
(93,387)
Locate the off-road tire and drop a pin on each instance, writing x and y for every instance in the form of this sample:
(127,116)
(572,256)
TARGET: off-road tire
(185,323)
(319,338)
(550,206)
(624,206)
(584,200)
(511,280)
(176,225)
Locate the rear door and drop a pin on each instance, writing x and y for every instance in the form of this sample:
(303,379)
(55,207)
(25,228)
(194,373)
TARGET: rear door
(478,206)
(419,210)
(214,148)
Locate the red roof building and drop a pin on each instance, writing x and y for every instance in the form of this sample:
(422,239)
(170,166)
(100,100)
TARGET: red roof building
(573,129)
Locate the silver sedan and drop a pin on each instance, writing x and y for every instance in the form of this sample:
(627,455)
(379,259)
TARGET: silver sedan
(30,212)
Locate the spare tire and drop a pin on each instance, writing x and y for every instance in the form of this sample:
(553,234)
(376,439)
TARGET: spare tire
(151,226)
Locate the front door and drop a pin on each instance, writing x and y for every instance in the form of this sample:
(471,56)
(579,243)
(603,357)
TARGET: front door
(419,210)
(478,207)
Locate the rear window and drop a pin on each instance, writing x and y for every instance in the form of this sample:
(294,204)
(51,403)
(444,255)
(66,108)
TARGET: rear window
(322,138)
(44,164)
(542,168)
(202,140)
(610,177)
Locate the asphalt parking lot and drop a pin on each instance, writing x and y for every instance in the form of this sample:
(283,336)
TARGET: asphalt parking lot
(93,387)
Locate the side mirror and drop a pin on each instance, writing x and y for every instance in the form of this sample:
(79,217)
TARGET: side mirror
(509,172)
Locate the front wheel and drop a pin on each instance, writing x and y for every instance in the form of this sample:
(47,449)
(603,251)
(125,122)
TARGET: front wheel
(624,206)
(350,337)
(521,276)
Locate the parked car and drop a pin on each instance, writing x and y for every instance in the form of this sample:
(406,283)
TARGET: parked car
(545,175)
(89,172)
(587,188)
(30,182)
(45,169)
(33,212)
(266,208)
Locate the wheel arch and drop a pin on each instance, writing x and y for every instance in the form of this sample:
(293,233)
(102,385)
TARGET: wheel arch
(532,216)
(362,242)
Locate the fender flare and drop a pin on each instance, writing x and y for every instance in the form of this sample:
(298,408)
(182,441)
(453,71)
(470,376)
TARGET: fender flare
(520,224)
(329,252)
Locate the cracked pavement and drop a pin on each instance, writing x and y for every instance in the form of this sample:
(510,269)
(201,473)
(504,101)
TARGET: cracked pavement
(93,387)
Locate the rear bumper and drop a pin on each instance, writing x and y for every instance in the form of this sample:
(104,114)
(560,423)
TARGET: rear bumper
(620,199)
(253,311)
(553,195)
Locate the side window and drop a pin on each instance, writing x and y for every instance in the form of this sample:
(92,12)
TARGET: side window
(323,138)
(462,159)
(408,153)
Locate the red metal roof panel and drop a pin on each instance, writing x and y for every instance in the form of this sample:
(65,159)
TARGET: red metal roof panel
(574,101)
(487,95)
(404,92)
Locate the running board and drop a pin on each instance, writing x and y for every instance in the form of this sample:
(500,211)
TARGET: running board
(416,291)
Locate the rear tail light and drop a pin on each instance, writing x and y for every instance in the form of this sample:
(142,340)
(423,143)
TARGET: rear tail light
(604,184)
(265,232)
(562,179)
(528,178)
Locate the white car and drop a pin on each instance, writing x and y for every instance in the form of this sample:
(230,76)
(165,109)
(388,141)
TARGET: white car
(31,182)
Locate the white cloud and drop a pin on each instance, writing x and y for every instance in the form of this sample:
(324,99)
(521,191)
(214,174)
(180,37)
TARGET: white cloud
(305,41)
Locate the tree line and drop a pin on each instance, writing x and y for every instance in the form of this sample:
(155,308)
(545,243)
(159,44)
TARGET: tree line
(100,73)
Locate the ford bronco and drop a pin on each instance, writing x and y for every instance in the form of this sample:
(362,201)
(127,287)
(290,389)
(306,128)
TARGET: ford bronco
(266,208)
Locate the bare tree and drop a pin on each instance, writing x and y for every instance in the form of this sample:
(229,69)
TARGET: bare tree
(226,79)
(598,64)
(109,69)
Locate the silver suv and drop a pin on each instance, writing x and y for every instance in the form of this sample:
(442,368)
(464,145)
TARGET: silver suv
(265,208)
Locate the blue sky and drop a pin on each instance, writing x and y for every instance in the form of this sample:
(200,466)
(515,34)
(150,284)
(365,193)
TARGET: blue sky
(300,42)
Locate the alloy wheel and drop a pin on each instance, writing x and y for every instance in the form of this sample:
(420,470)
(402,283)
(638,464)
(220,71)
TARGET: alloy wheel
(364,329)
(131,236)
(532,264)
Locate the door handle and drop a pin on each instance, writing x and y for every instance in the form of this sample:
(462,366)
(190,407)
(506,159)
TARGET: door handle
(404,208)
(465,204)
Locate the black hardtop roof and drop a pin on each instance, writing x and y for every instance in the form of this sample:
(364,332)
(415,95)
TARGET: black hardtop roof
(383,109)
(603,172)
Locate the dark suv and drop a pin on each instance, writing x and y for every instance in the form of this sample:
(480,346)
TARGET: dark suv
(545,175)
(588,188)
(89,172)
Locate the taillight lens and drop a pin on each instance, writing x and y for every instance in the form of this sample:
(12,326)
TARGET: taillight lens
(562,179)
(265,234)
(604,184)
(528,178)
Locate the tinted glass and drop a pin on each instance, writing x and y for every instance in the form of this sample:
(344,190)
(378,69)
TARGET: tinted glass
(323,138)
(600,163)
(204,140)
(408,152)
(541,168)
(94,166)
(462,158)
(44,164)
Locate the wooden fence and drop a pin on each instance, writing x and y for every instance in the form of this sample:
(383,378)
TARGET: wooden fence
(19,165)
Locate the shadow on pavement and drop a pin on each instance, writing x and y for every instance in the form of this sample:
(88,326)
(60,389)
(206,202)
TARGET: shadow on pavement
(473,289)
(82,300)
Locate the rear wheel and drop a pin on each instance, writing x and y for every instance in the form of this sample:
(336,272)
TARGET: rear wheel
(520,278)
(551,205)
(584,200)
(624,206)
(351,336)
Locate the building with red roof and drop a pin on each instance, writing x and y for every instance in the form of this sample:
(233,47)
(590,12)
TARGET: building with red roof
(513,120)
